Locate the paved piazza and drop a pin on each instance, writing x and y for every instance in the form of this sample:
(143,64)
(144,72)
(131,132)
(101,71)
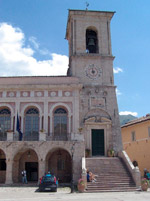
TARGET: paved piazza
(30,194)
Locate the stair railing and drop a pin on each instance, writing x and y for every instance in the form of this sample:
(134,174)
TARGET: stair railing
(134,171)
(84,174)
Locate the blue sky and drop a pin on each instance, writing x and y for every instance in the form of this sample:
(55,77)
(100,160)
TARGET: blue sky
(32,42)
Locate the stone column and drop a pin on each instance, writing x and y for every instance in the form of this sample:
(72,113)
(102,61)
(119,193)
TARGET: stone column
(41,168)
(9,164)
(46,112)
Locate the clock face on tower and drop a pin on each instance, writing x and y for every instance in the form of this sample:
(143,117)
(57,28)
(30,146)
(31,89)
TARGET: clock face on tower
(93,71)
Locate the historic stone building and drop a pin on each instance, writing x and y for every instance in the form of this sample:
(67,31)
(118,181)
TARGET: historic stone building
(62,116)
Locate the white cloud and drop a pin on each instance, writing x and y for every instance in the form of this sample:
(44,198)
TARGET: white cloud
(118,92)
(128,112)
(18,60)
(117,70)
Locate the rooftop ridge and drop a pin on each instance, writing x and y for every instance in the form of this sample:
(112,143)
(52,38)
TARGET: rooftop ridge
(135,121)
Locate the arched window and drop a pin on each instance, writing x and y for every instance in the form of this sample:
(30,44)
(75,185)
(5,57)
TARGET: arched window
(31,124)
(5,123)
(60,124)
(91,41)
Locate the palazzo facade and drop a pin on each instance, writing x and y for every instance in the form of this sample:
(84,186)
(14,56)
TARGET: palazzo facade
(62,116)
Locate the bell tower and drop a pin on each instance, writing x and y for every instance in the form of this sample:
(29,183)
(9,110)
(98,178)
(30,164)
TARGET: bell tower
(91,60)
(90,55)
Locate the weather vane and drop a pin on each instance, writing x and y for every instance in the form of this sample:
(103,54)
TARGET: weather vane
(87,5)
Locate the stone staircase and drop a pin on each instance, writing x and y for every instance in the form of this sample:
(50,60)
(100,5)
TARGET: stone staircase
(112,175)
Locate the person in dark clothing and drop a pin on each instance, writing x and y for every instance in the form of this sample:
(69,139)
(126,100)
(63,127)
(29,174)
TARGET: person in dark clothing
(88,176)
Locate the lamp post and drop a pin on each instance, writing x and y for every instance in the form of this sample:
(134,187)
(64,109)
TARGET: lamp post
(72,154)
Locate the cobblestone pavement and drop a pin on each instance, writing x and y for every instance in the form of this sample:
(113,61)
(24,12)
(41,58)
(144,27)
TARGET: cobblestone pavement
(31,194)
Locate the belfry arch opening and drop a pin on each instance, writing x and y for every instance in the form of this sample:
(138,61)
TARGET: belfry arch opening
(91,41)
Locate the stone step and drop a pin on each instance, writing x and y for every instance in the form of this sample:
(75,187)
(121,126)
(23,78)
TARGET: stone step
(111,175)
(111,190)
(110,184)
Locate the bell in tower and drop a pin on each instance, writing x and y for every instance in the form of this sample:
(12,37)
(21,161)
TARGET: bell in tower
(91,41)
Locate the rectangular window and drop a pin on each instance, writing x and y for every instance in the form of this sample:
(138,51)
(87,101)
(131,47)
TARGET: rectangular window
(148,131)
(133,136)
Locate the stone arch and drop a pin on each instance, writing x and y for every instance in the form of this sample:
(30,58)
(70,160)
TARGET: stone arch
(59,162)
(25,158)
(10,108)
(2,166)
(98,115)
(92,28)
(30,105)
(6,105)
(57,105)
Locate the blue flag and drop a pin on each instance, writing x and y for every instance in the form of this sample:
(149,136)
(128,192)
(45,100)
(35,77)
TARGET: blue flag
(18,128)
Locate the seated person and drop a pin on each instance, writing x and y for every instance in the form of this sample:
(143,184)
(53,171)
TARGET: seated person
(92,177)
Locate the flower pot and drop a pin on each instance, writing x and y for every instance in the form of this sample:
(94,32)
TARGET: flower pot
(110,153)
(144,186)
(81,188)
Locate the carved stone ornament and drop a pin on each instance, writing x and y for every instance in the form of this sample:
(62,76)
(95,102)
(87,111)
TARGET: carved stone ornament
(53,94)
(67,93)
(11,94)
(39,94)
(25,94)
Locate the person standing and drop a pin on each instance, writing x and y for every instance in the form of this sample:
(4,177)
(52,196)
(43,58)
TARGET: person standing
(22,174)
(25,176)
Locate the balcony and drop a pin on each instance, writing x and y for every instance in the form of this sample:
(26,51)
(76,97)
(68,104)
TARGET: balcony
(62,137)
(35,136)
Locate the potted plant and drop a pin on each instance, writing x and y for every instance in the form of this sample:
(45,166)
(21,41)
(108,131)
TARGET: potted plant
(144,184)
(80,130)
(87,152)
(81,185)
(111,153)
(42,130)
(9,131)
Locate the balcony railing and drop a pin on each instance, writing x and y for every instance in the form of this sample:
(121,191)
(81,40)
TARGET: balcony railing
(3,136)
(61,137)
(34,136)
(41,136)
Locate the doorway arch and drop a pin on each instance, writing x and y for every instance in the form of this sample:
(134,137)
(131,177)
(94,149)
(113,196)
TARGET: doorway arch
(25,160)
(59,163)
(2,166)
